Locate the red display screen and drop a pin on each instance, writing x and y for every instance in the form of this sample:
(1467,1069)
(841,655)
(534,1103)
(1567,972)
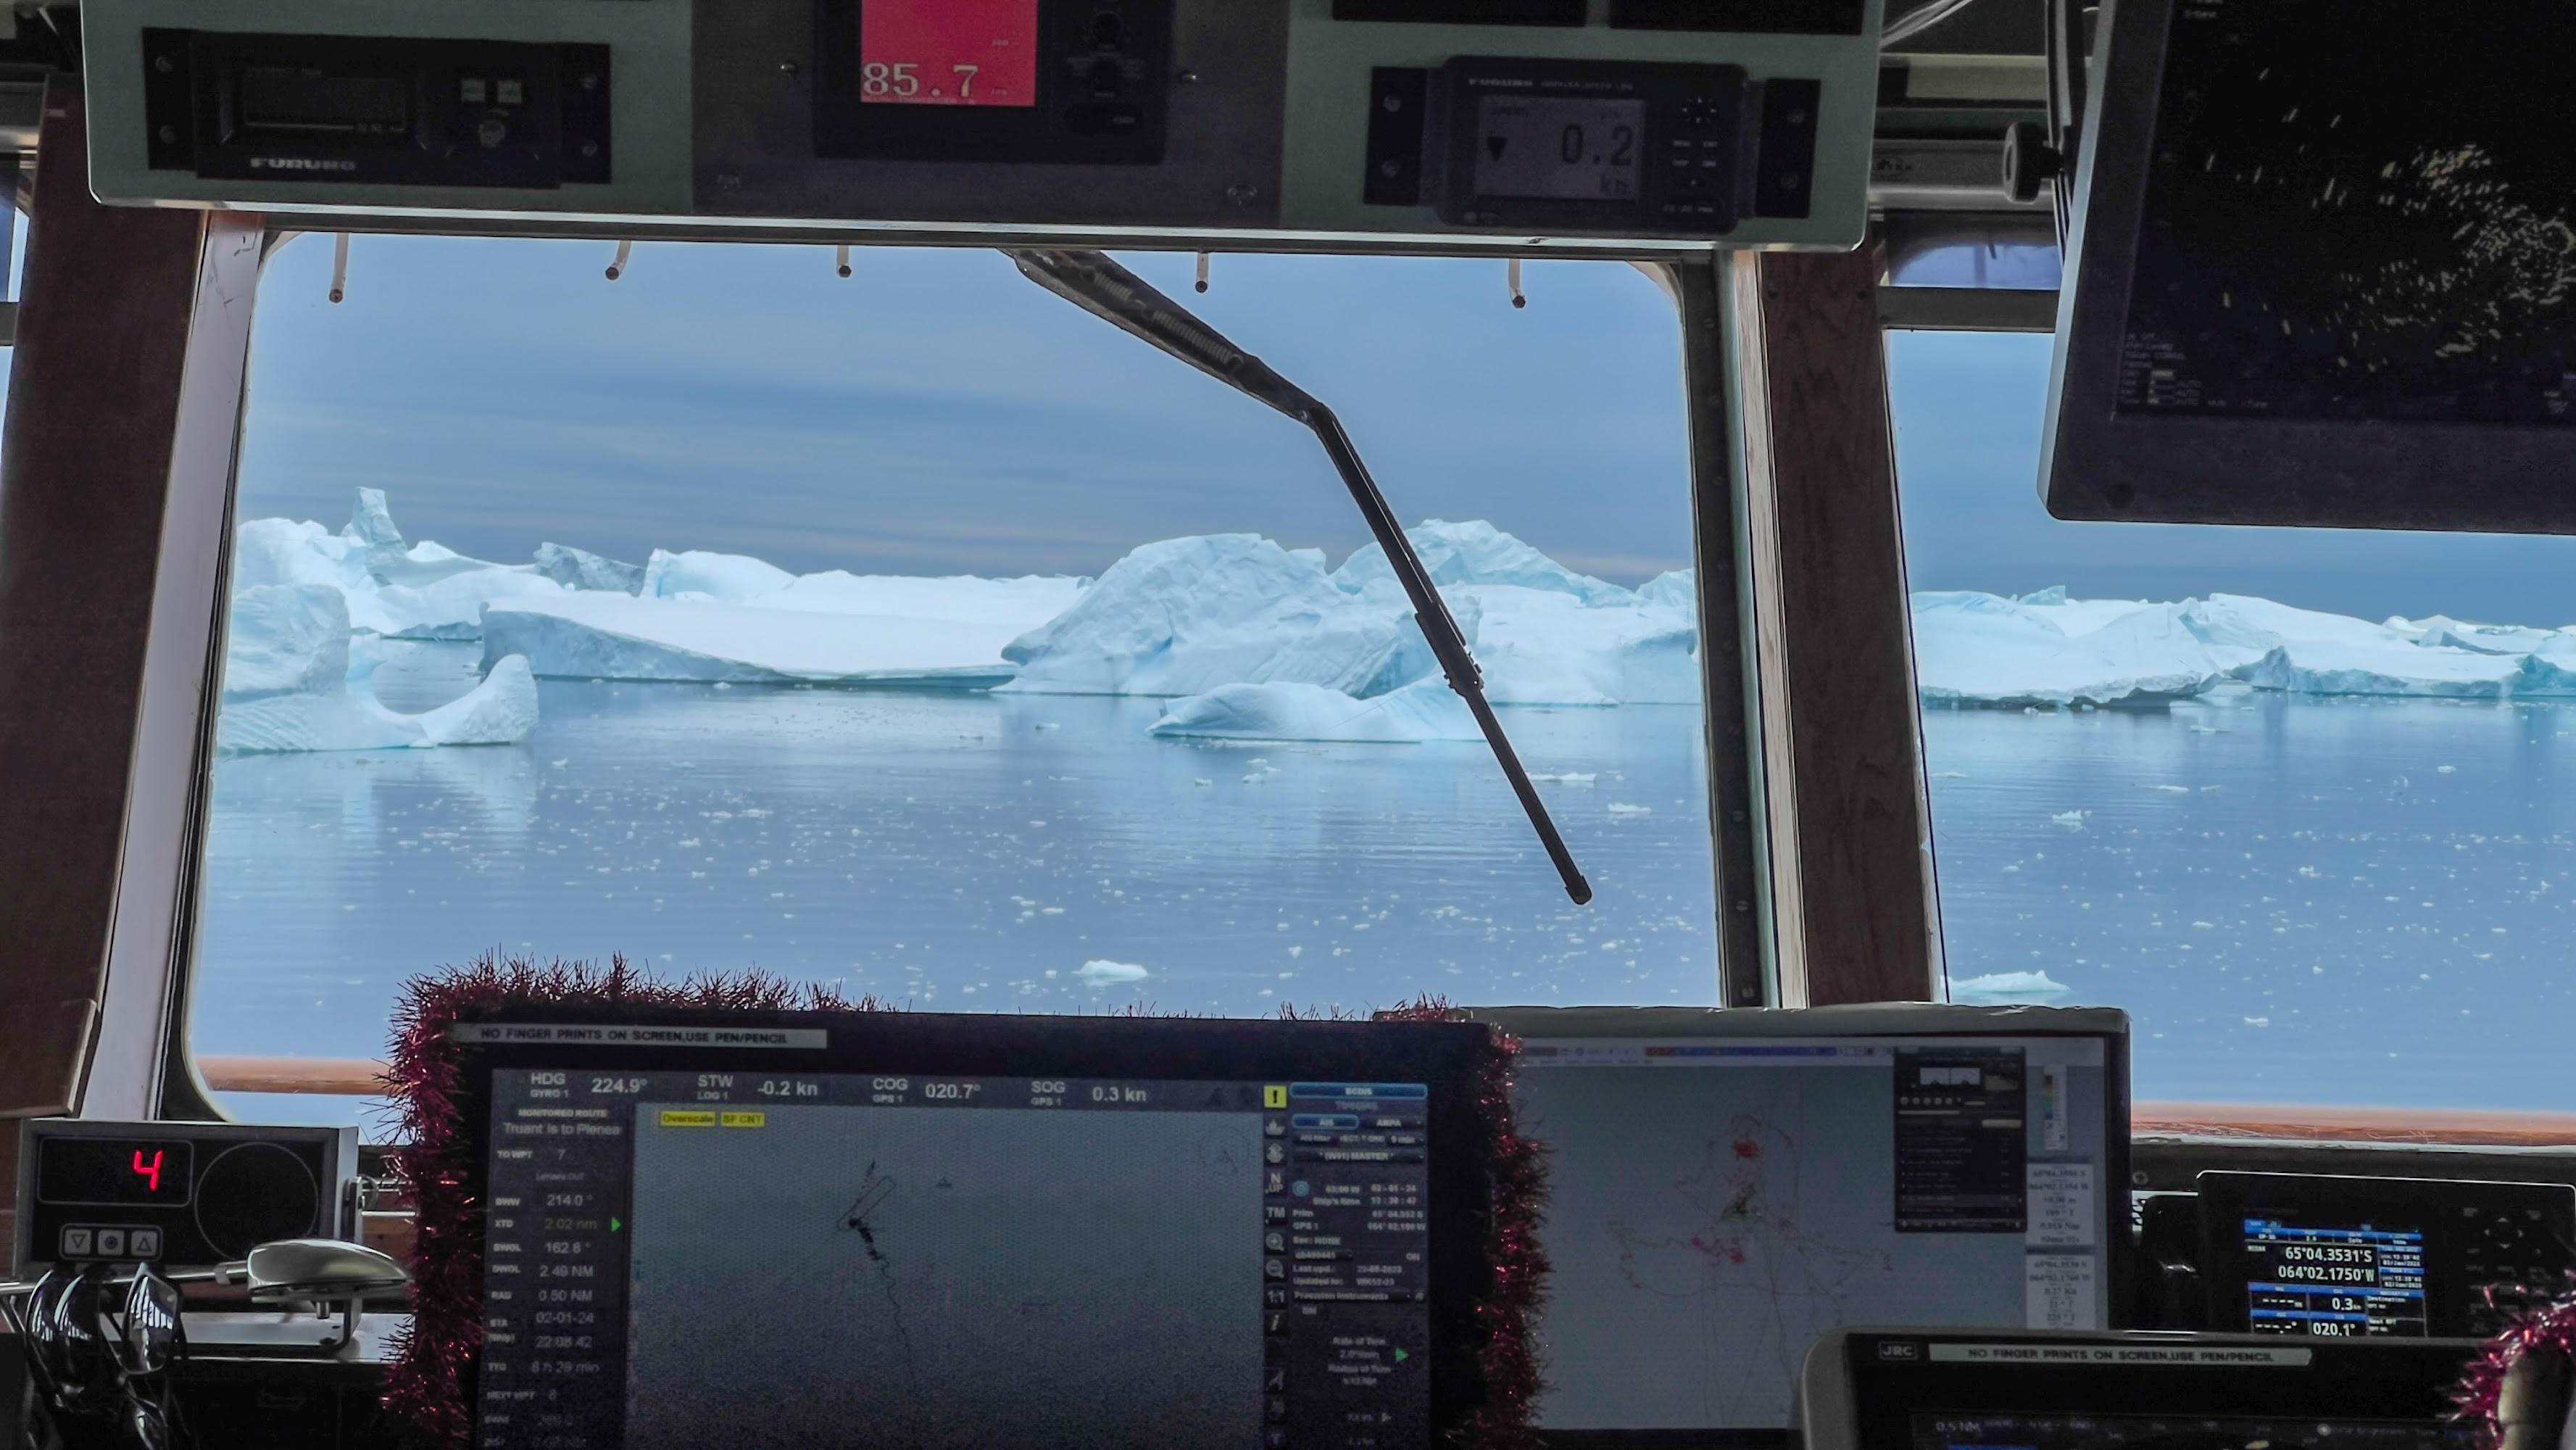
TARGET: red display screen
(948,52)
(113,1171)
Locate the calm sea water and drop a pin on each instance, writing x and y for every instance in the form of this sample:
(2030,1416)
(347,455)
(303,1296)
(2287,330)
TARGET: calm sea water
(2296,898)
(949,850)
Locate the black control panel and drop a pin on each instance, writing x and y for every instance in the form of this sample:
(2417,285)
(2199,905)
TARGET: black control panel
(695,1257)
(2336,1257)
(1632,148)
(389,110)
(992,80)
(183,1195)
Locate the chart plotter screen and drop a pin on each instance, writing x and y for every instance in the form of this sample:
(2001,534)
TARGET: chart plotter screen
(2358,210)
(1717,1205)
(686,1258)
(2334,1279)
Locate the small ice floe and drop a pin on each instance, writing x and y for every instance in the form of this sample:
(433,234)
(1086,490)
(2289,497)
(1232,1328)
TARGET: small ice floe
(2001,988)
(2258,1021)
(2071,820)
(1568,777)
(1622,808)
(1100,972)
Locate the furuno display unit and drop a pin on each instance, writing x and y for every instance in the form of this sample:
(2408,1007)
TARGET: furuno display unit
(2322,1255)
(898,1228)
(1936,1389)
(1725,1186)
(2318,271)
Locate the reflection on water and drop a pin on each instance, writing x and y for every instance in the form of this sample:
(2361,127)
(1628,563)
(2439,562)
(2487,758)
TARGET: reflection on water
(950,850)
(2299,899)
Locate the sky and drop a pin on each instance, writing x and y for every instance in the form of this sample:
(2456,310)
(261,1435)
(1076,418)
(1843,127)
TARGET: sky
(937,413)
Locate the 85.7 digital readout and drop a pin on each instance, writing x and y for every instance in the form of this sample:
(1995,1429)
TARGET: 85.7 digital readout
(948,52)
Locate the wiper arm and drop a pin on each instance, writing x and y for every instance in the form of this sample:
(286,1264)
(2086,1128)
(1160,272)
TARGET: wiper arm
(1093,282)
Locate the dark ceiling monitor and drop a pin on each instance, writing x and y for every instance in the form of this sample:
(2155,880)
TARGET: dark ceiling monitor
(901,1229)
(2323,269)
(1726,1186)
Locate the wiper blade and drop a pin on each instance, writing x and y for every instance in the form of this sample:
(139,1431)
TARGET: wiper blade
(1093,282)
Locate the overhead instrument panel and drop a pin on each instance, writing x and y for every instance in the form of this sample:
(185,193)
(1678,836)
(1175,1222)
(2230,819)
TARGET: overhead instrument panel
(1388,125)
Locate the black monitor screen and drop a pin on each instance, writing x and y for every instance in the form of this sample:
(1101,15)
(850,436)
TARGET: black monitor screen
(2359,209)
(687,1248)
(841,1258)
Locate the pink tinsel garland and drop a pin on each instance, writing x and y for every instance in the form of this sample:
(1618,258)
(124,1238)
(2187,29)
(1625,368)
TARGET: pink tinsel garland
(2549,1330)
(424,1384)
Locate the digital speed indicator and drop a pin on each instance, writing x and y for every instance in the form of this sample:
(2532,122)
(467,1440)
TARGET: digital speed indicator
(948,52)
(1560,147)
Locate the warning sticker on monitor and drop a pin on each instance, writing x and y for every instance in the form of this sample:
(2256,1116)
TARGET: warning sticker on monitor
(2059,1290)
(628,1034)
(2173,1354)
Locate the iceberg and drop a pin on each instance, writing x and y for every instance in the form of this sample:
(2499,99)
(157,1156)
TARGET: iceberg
(417,591)
(600,635)
(721,578)
(1541,647)
(1422,711)
(1184,617)
(581,569)
(2334,667)
(1983,649)
(1675,589)
(1475,553)
(292,683)
(828,628)
(2049,649)
(2001,989)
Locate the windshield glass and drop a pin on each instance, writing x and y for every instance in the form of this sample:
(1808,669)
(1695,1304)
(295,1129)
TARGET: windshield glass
(919,633)
(2303,801)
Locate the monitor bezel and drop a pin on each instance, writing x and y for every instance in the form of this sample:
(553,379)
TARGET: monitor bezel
(1863,1385)
(2099,465)
(2223,1197)
(1448,1057)
(1927,1020)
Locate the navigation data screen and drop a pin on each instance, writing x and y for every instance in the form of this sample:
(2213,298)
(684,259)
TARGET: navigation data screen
(680,1259)
(948,52)
(2351,1279)
(1716,1206)
(2353,214)
(2182,1432)
(1560,147)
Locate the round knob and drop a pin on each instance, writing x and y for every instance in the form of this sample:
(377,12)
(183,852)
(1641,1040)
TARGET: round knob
(2029,161)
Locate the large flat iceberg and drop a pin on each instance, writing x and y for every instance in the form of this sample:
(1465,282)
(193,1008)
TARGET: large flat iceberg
(735,625)
(612,636)
(2048,649)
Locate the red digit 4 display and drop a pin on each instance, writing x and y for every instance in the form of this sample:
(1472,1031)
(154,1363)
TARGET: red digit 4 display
(113,1171)
(948,52)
